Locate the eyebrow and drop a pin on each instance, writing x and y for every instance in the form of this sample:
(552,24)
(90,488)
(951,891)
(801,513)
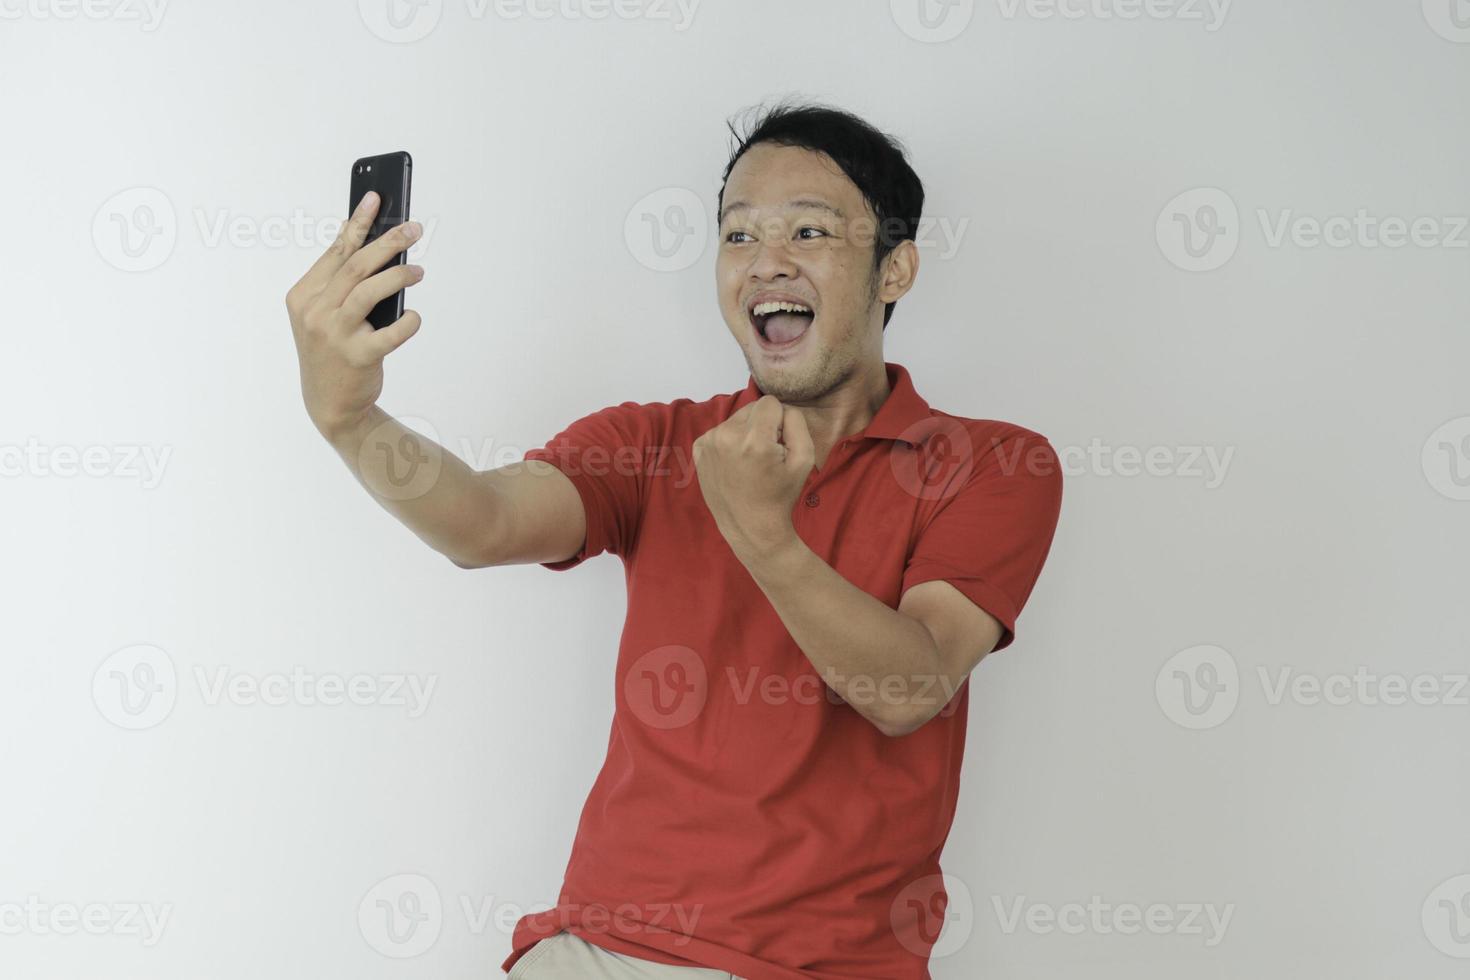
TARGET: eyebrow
(800,203)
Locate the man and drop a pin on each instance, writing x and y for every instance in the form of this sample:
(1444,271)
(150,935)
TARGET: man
(814,565)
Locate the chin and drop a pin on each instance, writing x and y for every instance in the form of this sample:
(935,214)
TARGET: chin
(788,382)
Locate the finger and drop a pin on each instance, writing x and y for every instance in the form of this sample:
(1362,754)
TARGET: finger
(797,438)
(369,260)
(381,343)
(349,239)
(374,289)
(765,418)
(743,412)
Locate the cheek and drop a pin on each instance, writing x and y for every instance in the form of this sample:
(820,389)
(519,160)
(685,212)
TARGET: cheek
(727,283)
(842,282)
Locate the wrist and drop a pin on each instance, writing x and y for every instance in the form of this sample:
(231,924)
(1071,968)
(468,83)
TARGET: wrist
(775,559)
(348,431)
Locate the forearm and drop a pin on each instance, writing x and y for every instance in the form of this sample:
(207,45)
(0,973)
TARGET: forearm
(883,663)
(430,490)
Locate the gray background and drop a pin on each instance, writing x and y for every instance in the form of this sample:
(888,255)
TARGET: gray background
(1134,744)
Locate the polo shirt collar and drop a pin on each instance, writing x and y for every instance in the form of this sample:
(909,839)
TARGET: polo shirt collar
(896,417)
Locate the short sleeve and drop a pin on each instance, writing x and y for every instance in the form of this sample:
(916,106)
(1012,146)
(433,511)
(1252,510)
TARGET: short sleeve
(990,538)
(602,454)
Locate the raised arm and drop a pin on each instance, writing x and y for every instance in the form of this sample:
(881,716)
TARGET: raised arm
(521,513)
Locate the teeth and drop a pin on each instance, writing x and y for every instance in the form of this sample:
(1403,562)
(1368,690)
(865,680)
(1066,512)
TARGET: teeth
(764,309)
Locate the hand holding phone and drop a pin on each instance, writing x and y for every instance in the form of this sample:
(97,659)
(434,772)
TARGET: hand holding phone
(361,276)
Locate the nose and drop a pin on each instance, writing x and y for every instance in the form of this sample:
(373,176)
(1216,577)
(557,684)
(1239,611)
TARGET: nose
(772,258)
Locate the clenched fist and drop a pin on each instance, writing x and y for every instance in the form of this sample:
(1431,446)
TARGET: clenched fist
(751,469)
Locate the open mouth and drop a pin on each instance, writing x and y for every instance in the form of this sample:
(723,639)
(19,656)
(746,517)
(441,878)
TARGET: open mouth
(780,323)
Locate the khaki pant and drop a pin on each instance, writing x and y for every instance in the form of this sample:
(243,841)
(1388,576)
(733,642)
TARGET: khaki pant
(568,957)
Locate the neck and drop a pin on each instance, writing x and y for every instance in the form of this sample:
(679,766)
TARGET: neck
(845,410)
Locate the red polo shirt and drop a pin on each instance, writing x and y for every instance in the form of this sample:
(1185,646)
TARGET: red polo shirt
(747,819)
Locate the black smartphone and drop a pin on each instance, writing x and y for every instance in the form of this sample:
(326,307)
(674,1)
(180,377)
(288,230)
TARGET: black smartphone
(391,175)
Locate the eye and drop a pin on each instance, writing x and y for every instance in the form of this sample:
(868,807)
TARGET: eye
(733,234)
(819,231)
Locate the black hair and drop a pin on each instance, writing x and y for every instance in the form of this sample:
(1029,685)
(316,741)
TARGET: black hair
(871,159)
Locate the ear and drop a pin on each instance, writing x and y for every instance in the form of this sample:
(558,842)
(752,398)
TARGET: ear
(898,271)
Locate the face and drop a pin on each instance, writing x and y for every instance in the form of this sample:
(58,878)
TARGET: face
(796,228)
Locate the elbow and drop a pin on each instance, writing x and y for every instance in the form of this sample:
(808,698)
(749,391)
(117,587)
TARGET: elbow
(481,547)
(467,561)
(476,552)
